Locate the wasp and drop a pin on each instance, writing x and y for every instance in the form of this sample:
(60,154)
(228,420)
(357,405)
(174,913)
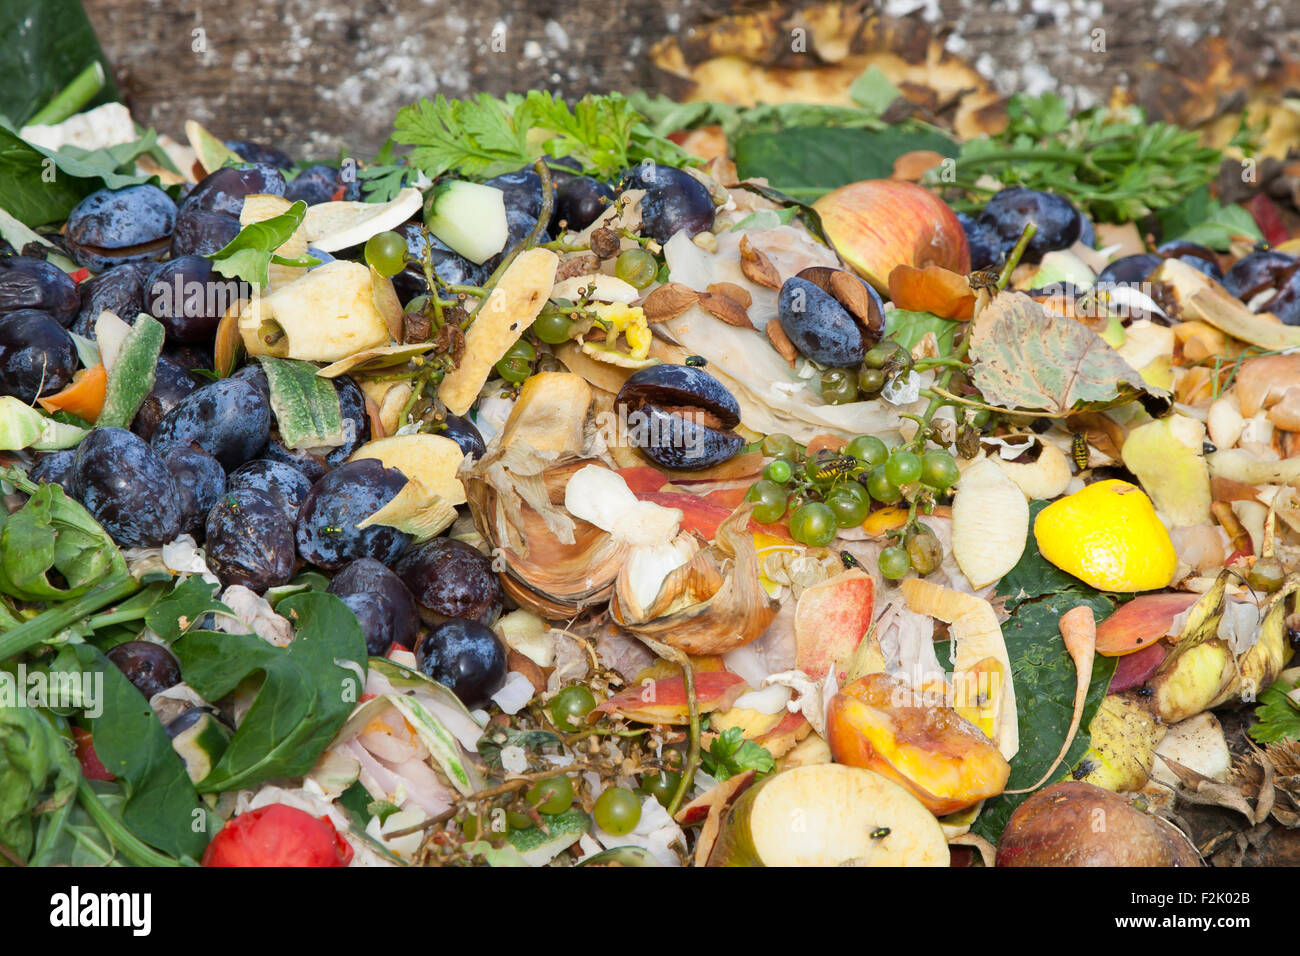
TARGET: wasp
(837,467)
(1079,451)
(984,279)
(696,361)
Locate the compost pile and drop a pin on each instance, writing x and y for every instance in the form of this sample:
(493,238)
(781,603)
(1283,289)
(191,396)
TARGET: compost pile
(546,493)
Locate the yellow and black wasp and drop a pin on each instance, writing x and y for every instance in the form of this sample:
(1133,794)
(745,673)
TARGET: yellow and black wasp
(1079,451)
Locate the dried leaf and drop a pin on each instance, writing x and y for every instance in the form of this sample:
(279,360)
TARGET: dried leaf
(757,267)
(732,291)
(780,341)
(668,301)
(1026,358)
(726,309)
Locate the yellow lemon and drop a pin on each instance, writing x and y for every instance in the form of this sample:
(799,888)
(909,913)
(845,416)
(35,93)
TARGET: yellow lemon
(1108,536)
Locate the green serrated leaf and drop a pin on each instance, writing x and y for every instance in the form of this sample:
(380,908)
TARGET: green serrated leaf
(1277,715)
(248,256)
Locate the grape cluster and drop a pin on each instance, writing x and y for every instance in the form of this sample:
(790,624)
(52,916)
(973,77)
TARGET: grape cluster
(830,491)
(883,361)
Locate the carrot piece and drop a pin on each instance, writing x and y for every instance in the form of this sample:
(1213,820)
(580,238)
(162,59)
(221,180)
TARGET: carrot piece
(83,397)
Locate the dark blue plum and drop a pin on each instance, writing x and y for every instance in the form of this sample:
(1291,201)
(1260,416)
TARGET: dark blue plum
(467,657)
(127,488)
(518,225)
(283,484)
(200,481)
(201,232)
(225,189)
(249,540)
(1010,210)
(189,297)
(327,532)
(56,468)
(254,375)
(37,355)
(171,383)
(120,290)
(113,226)
(382,603)
(674,200)
(449,578)
(680,416)
(315,184)
(580,202)
(30,283)
(150,666)
(1129,270)
(1258,271)
(465,434)
(819,326)
(985,244)
(229,420)
(522,189)
(1087,232)
(251,152)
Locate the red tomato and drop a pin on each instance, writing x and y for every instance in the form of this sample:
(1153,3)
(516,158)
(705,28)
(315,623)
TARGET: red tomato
(278,835)
(91,766)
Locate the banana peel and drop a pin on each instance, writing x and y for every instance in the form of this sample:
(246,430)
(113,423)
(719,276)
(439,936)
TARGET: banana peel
(1125,733)
(1259,666)
(1201,666)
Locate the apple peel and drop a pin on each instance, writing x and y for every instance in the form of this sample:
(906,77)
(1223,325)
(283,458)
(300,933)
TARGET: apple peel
(830,620)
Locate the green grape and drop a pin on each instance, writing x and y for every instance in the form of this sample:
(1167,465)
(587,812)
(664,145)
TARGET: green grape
(617,811)
(514,370)
(553,328)
(469,826)
(881,488)
(552,795)
(662,785)
(636,267)
(880,353)
(570,706)
(518,820)
(981,418)
(780,471)
(903,468)
(780,445)
(894,562)
(386,253)
(923,550)
(868,449)
(939,469)
(838,387)
(813,524)
(796,501)
(849,509)
(870,380)
(522,349)
(769,501)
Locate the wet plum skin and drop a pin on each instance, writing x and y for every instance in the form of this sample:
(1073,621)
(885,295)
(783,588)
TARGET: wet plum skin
(189,298)
(113,226)
(1129,270)
(382,603)
(985,245)
(37,355)
(1010,210)
(467,657)
(465,434)
(249,540)
(55,468)
(282,483)
(251,152)
(818,326)
(171,383)
(673,201)
(120,290)
(225,189)
(230,420)
(127,487)
(449,578)
(200,482)
(150,667)
(29,283)
(327,532)
(356,432)
(667,438)
(580,202)
(447,265)
(202,232)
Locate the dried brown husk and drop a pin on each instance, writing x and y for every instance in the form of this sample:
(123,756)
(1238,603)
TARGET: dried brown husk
(712,604)
(555,564)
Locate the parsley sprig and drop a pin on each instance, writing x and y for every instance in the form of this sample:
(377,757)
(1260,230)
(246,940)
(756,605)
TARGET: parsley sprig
(730,754)
(485,136)
(1114,164)
(1279,717)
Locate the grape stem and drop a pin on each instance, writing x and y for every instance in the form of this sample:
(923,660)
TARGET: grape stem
(693,751)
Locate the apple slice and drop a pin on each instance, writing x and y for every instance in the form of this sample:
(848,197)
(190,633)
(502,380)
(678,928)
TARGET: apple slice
(829,815)
(664,701)
(830,620)
(1141,622)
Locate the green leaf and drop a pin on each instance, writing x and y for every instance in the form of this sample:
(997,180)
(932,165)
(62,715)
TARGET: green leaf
(908,328)
(248,256)
(1278,715)
(162,807)
(53,533)
(730,754)
(184,607)
(47,43)
(873,91)
(1027,358)
(1034,576)
(305,698)
(1221,227)
(809,161)
(37,770)
(1044,678)
(31,188)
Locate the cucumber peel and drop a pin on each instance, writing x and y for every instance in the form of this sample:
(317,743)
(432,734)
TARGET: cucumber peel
(306,406)
(468,217)
(539,847)
(22,426)
(131,377)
